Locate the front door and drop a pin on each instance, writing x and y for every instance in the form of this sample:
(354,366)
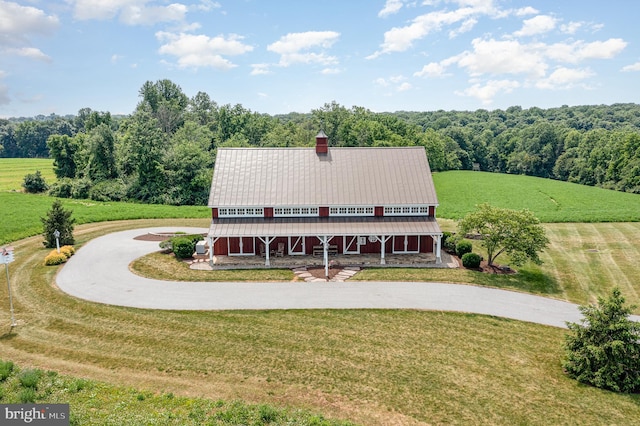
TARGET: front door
(243,246)
(296,246)
(350,244)
(406,244)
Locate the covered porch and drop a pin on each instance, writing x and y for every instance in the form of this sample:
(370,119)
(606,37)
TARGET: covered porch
(291,242)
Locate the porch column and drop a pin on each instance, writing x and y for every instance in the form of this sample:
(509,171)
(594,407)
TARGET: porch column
(438,240)
(212,241)
(267,241)
(324,240)
(383,242)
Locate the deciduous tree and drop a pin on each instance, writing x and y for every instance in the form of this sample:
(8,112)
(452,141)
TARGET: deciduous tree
(517,233)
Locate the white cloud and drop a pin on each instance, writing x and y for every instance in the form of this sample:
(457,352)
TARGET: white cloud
(390,7)
(17,25)
(632,67)
(464,28)
(31,53)
(404,87)
(207,5)
(260,69)
(195,51)
(537,25)
(432,70)
(485,93)
(571,28)
(130,12)
(331,71)
(295,48)
(17,22)
(528,10)
(580,51)
(564,78)
(501,57)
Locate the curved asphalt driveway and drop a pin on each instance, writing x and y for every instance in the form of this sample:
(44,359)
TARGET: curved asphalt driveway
(99,272)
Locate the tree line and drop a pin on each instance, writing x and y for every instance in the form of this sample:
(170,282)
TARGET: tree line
(164,151)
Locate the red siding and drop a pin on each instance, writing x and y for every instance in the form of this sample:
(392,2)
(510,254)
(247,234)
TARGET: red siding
(432,211)
(214,213)
(324,211)
(268,212)
(379,211)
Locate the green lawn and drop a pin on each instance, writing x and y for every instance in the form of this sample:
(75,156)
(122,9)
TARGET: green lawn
(550,200)
(373,367)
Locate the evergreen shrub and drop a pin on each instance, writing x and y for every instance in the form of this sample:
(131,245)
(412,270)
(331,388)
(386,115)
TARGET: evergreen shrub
(463,247)
(185,246)
(471,260)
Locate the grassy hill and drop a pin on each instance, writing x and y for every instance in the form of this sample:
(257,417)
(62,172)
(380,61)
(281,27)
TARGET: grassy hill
(550,200)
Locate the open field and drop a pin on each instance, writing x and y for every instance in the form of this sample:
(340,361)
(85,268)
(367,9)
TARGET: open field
(98,403)
(370,366)
(13,171)
(550,200)
(22,212)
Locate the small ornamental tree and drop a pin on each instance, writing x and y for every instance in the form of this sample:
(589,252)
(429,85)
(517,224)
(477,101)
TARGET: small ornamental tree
(58,219)
(515,232)
(604,350)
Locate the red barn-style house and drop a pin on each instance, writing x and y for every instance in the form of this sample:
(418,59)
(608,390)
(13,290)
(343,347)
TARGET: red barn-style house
(322,201)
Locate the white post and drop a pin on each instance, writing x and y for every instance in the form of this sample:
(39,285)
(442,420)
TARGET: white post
(210,250)
(438,256)
(56,234)
(7,257)
(266,242)
(383,242)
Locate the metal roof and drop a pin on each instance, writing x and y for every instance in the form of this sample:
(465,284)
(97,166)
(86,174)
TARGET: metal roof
(266,177)
(313,226)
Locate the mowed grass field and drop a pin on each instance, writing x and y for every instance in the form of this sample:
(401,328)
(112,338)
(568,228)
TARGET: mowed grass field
(550,200)
(374,367)
(13,171)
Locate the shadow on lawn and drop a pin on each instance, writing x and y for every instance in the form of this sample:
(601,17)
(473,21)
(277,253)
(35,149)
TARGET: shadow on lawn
(532,281)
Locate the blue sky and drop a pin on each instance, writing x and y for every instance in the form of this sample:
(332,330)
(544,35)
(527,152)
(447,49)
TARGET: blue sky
(280,56)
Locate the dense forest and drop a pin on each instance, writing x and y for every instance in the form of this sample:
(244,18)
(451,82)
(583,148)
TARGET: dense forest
(164,151)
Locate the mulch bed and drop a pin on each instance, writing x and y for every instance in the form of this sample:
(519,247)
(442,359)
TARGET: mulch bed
(151,237)
(318,271)
(484,267)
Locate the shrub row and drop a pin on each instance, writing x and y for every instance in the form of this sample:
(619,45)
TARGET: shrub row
(462,248)
(55,258)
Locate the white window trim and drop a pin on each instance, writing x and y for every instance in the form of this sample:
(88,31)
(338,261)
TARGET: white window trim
(352,211)
(407,210)
(224,212)
(295,211)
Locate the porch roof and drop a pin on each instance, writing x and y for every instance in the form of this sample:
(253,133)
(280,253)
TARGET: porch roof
(313,226)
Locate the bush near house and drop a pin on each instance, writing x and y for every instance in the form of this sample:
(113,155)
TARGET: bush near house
(463,247)
(471,260)
(185,245)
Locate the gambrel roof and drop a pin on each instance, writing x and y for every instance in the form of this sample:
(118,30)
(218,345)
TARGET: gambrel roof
(261,177)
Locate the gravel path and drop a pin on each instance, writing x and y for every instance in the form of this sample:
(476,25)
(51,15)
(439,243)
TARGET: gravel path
(99,272)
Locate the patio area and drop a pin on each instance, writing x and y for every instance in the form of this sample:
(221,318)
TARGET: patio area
(417,260)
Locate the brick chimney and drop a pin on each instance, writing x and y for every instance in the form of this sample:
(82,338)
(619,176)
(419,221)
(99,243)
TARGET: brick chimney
(322,143)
